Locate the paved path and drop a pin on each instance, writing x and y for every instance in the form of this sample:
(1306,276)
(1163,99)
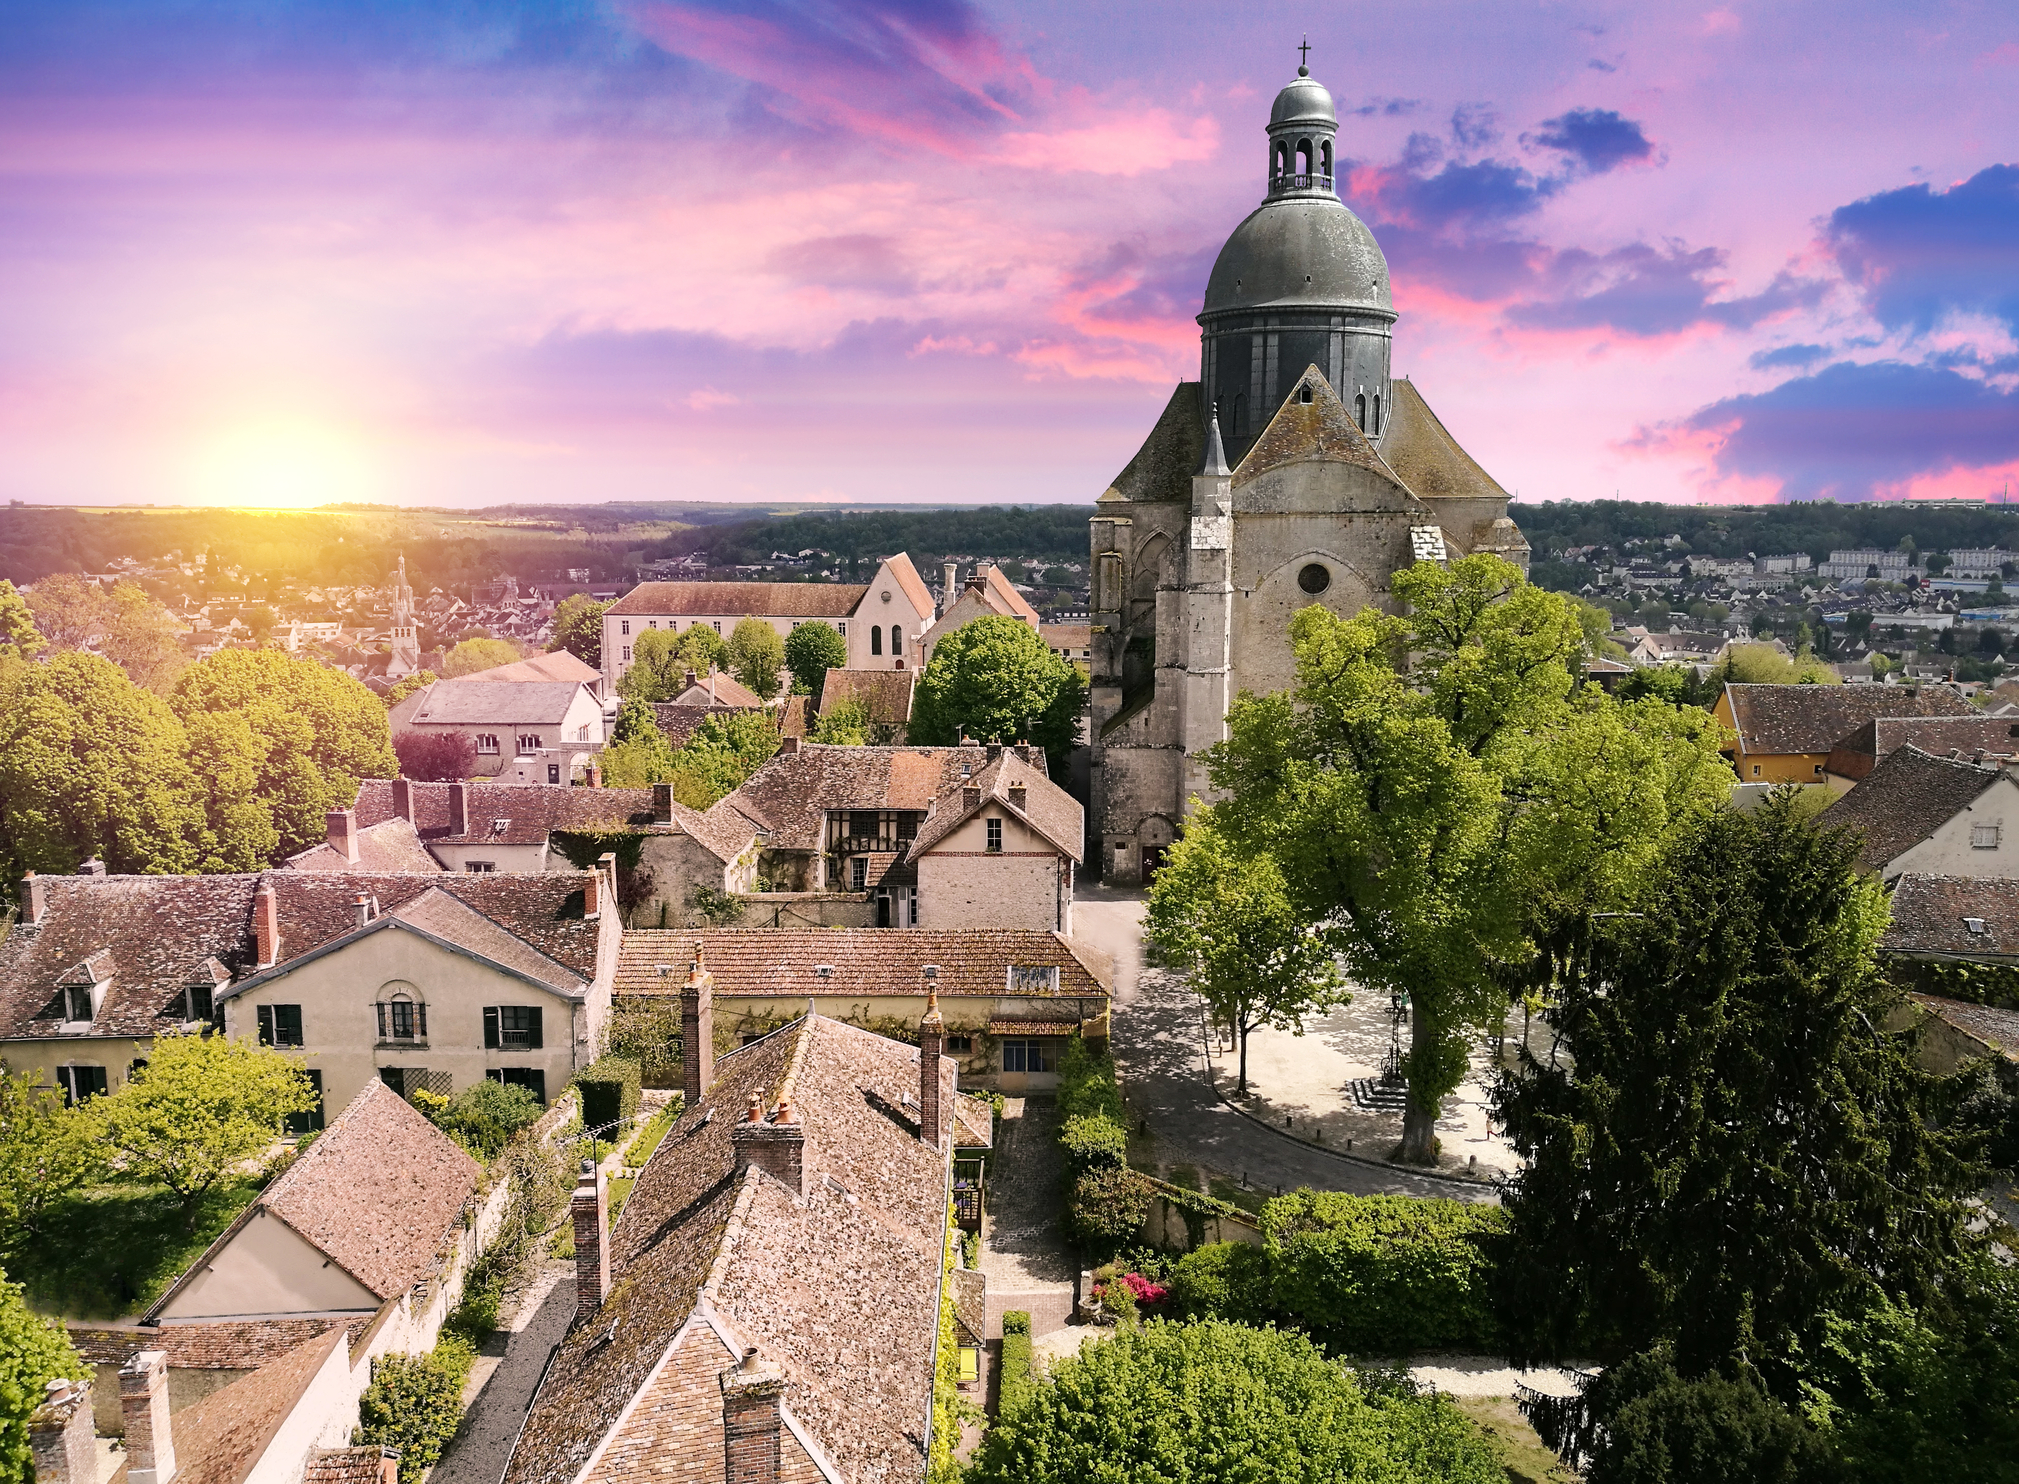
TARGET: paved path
(505,1376)
(1024,1254)
(1158,1048)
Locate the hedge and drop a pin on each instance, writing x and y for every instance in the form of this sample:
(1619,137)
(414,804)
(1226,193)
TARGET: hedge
(1385,1274)
(1222,1280)
(1093,1142)
(1017,1381)
(415,1403)
(1087,1086)
(1107,1209)
(609,1089)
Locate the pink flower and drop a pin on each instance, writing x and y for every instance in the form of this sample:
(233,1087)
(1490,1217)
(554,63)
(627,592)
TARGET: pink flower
(1145,1291)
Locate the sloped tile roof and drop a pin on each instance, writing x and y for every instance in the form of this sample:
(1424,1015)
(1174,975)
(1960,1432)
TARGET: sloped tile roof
(224,1437)
(885,694)
(394,845)
(1931,915)
(445,917)
(1421,450)
(1001,595)
(232,1345)
(1996,1028)
(791,794)
(1319,429)
(717,689)
(476,702)
(1789,720)
(1047,808)
(1857,754)
(361,1464)
(1162,469)
(739,599)
(866,961)
(1907,798)
(535,810)
(679,722)
(1071,636)
(559,665)
(914,586)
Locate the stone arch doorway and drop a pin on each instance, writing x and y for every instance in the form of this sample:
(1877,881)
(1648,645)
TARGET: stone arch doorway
(1154,839)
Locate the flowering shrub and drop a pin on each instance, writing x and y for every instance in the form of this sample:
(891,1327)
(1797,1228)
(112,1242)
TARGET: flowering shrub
(1146,1292)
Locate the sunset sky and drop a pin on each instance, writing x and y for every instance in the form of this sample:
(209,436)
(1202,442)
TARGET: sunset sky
(476,252)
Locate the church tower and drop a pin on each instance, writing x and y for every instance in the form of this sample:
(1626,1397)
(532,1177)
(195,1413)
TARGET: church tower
(1297,471)
(406,638)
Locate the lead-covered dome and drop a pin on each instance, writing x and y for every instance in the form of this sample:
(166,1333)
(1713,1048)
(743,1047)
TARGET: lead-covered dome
(1299,251)
(1304,101)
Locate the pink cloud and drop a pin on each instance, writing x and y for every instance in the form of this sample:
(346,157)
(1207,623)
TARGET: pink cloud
(707,399)
(1130,142)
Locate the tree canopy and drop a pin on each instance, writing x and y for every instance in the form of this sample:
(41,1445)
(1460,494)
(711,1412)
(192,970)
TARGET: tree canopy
(660,660)
(33,1352)
(578,628)
(121,622)
(1441,797)
(995,680)
(473,655)
(18,634)
(47,1149)
(756,653)
(811,650)
(713,762)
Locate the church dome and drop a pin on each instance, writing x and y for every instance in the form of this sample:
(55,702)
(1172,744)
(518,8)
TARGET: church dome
(1304,251)
(1304,101)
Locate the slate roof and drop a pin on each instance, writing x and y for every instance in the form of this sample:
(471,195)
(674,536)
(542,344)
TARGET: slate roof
(1789,720)
(1319,429)
(866,961)
(1995,1028)
(885,694)
(1906,799)
(1046,807)
(223,1438)
(559,665)
(791,794)
(1857,754)
(393,845)
(1931,917)
(839,1290)
(477,702)
(739,599)
(1422,452)
(1162,468)
(534,809)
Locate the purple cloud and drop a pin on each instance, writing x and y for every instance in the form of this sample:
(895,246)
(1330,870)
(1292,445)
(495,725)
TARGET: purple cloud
(1596,138)
(1918,254)
(1641,290)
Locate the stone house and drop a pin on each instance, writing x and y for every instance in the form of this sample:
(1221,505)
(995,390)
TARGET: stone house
(767,1306)
(998,852)
(1009,997)
(1933,816)
(1073,642)
(538,731)
(1786,733)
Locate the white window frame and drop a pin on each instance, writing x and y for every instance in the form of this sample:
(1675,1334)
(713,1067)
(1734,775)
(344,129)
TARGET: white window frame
(1985,836)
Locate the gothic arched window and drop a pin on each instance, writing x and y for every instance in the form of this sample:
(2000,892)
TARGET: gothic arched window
(876,639)
(1375,425)
(896,639)
(1360,410)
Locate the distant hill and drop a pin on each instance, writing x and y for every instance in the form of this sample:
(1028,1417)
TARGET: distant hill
(1816,527)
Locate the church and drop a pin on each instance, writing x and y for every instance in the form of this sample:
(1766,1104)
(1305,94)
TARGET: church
(1294,471)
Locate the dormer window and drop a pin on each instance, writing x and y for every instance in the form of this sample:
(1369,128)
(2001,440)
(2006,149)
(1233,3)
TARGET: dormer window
(77,1002)
(199,1002)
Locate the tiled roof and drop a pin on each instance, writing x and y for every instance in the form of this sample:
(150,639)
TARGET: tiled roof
(717,689)
(1906,798)
(362,1464)
(998,1026)
(792,793)
(232,1345)
(739,599)
(1994,1027)
(445,917)
(394,845)
(534,809)
(866,961)
(559,665)
(1858,753)
(1418,447)
(379,1191)
(1932,915)
(973,1122)
(159,933)
(1001,595)
(1319,429)
(885,694)
(1786,720)
(1073,636)
(914,585)
(839,1290)
(224,1437)
(679,722)
(477,702)
(1047,808)
(1162,469)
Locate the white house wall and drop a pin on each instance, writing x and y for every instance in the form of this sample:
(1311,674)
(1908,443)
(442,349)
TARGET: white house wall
(269,1268)
(1948,851)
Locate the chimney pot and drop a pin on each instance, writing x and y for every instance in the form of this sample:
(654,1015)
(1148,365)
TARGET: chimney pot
(662,803)
(589,1210)
(143,1405)
(788,745)
(778,1148)
(92,867)
(594,772)
(342,829)
(363,905)
(459,809)
(592,892)
(403,799)
(34,898)
(60,1435)
(697,1031)
(266,925)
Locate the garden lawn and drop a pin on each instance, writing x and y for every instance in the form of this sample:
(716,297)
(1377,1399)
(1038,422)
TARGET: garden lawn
(109,1251)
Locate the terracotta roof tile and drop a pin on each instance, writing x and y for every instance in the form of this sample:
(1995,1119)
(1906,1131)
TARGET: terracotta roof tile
(1906,798)
(679,722)
(792,793)
(558,665)
(1046,807)
(1072,637)
(1932,917)
(1857,754)
(1786,720)
(472,701)
(885,694)
(233,1345)
(914,586)
(1002,596)
(717,689)
(393,845)
(224,1437)
(737,599)
(363,1464)
(866,961)
(447,917)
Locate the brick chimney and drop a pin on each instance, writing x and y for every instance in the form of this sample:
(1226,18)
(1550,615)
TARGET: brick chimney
(266,925)
(92,867)
(361,905)
(970,797)
(949,587)
(692,680)
(931,1042)
(60,1436)
(594,772)
(459,808)
(752,1420)
(1016,797)
(697,1030)
(34,898)
(592,892)
(590,1210)
(342,827)
(143,1404)
(662,803)
(776,1145)
(788,745)
(403,799)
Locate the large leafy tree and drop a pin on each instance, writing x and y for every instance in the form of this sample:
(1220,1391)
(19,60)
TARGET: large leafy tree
(713,762)
(473,655)
(756,654)
(1736,1147)
(1219,1403)
(1441,797)
(18,635)
(811,650)
(33,1352)
(46,1150)
(1228,918)
(578,628)
(317,732)
(660,660)
(996,681)
(201,1106)
(122,622)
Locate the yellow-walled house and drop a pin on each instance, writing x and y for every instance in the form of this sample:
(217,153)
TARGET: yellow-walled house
(1784,733)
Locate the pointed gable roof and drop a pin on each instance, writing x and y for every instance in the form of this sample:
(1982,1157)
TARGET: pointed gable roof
(1046,808)
(906,576)
(1424,455)
(1304,431)
(1909,796)
(1162,468)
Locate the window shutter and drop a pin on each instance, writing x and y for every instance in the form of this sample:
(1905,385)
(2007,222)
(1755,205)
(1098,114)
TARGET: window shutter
(533,1042)
(382,1020)
(94,1078)
(266,1025)
(421,1020)
(490,1027)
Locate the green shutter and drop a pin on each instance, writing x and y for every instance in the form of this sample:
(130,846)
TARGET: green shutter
(490,1027)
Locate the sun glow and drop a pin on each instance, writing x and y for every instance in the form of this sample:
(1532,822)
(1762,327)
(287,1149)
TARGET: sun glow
(283,464)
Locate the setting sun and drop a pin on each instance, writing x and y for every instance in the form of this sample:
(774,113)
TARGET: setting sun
(283,464)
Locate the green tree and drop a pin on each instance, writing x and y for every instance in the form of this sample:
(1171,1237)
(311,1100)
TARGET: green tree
(1219,1403)
(1441,797)
(90,764)
(755,655)
(844,724)
(1736,1146)
(202,1105)
(46,1151)
(70,612)
(578,628)
(33,1352)
(317,732)
(18,635)
(259,622)
(406,685)
(1762,664)
(239,828)
(415,1403)
(661,660)
(995,680)
(485,1115)
(122,622)
(811,650)
(1229,921)
(1717,1428)
(472,655)
(714,761)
